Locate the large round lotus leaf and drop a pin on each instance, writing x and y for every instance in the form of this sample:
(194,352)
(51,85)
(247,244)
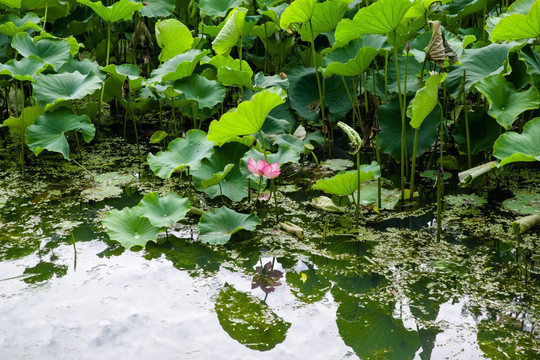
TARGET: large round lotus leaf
(54,9)
(129,228)
(48,132)
(164,211)
(178,67)
(53,88)
(346,182)
(518,26)
(218,225)
(425,100)
(53,52)
(381,17)
(17,126)
(11,24)
(181,153)
(369,329)
(505,103)
(206,93)
(124,72)
(11,3)
(217,8)
(24,70)
(232,71)
(325,17)
(120,10)
(304,94)
(354,58)
(231,32)
(260,81)
(158,8)
(513,147)
(369,195)
(84,66)
(389,117)
(173,38)
(413,68)
(249,320)
(247,119)
(299,11)
(524,203)
(479,63)
(483,132)
(234,184)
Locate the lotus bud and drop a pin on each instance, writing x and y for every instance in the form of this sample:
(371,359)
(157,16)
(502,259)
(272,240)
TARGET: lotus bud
(408,47)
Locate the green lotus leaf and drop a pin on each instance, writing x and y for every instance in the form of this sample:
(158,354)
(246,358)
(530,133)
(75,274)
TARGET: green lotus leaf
(247,119)
(505,103)
(220,173)
(157,8)
(513,147)
(232,71)
(120,10)
(164,212)
(53,52)
(418,10)
(479,64)
(18,126)
(158,136)
(284,155)
(325,18)
(518,26)
(217,8)
(24,70)
(181,153)
(248,320)
(274,12)
(304,94)
(265,31)
(532,60)
(381,17)
(369,196)
(11,24)
(124,72)
(11,3)
(465,200)
(129,228)
(231,33)
(74,45)
(49,131)
(260,81)
(173,38)
(206,93)
(299,11)
(178,67)
(84,66)
(346,182)
(483,132)
(218,225)
(107,185)
(425,100)
(52,88)
(389,117)
(524,203)
(54,9)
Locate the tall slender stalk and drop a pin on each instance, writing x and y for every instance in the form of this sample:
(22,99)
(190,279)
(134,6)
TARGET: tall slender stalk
(402,112)
(440,181)
(314,53)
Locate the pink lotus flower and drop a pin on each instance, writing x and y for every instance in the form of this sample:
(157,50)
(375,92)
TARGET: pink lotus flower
(262,168)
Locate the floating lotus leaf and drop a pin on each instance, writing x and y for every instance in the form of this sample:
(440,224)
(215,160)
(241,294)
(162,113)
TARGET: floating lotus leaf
(524,203)
(108,185)
(11,24)
(248,320)
(465,200)
(48,132)
(177,67)
(217,226)
(513,147)
(381,17)
(337,164)
(217,8)
(53,52)
(299,11)
(231,33)
(120,10)
(164,212)
(206,93)
(24,70)
(247,119)
(52,88)
(181,153)
(518,26)
(425,100)
(326,204)
(157,8)
(346,182)
(129,228)
(304,94)
(18,126)
(505,103)
(223,168)
(173,38)
(390,123)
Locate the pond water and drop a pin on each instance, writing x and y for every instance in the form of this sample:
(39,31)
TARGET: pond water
(68,292)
